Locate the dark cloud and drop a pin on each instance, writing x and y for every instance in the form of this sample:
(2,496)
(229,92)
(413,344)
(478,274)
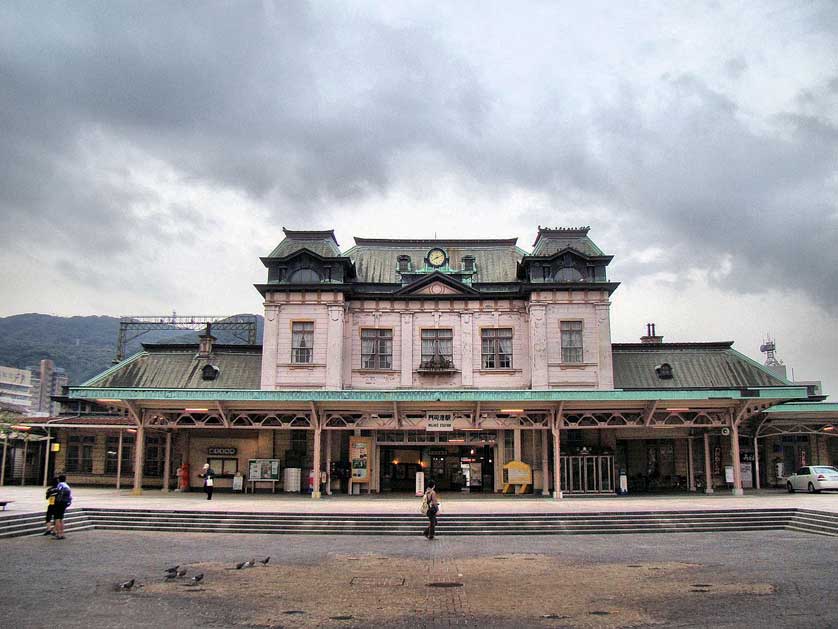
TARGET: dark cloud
(304,108)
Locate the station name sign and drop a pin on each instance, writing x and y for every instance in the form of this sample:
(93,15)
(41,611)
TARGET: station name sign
(439,422)
(217,451)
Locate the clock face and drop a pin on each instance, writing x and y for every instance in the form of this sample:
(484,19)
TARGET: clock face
(436,257)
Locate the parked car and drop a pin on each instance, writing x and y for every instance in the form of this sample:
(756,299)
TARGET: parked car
(813,479)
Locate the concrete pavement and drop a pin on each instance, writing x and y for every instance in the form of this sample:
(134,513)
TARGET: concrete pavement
(29,499)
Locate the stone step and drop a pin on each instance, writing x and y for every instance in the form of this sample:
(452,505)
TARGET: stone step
(810,521)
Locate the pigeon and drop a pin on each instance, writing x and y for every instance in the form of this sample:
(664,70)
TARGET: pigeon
(265,561)
(170,576)
(250,564)
(182,572)
(196,579)
(241,565)
(172,569)
(127,585)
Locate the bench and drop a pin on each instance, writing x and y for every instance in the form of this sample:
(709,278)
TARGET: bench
(3,503)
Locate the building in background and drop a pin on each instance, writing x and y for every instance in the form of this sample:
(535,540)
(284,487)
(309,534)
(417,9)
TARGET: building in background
(31,390)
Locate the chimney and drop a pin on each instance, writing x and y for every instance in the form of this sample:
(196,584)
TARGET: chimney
(205,344)
(651,337)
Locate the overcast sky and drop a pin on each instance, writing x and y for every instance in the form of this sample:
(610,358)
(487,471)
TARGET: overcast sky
(150,151)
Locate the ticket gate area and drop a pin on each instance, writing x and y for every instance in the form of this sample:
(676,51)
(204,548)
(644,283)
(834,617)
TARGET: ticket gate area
(587,474)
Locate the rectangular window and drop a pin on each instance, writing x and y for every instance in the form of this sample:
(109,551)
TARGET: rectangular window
(224,467)
(154,455)
(302,341)
(546,273)
(377,349)
(437,348)
(80,454)
(127,455)
(571,341)
(496,348)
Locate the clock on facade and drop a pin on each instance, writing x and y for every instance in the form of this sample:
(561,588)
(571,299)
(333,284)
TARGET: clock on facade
(436,257)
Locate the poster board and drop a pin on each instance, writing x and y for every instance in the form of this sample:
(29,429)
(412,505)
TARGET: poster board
(238,482)
(263,469)
(360,451)
(518,477)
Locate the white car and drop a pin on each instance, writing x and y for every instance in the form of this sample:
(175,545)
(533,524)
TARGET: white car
(813,479)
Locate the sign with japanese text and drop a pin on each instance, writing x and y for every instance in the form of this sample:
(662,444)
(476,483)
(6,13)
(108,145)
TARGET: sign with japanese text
(439,422)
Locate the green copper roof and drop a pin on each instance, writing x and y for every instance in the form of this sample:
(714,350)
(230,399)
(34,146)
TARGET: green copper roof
(322,243)
(428,395)
(693,365)
(550,241)
(376,260)
(814,408)
(172,368)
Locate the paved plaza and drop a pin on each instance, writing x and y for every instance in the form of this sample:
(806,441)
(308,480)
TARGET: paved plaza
(29,499)
(764,579)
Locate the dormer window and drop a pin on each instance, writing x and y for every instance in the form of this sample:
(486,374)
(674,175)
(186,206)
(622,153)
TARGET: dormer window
(305,276)
(664,371)
(404,264)
(468,264)
(209,372)
(546,273)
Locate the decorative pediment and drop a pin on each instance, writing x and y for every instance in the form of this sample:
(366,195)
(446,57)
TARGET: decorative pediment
(436,284)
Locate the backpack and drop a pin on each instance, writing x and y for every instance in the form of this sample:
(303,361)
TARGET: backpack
(63,497)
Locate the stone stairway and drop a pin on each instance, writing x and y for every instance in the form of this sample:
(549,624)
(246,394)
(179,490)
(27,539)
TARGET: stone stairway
(602,523)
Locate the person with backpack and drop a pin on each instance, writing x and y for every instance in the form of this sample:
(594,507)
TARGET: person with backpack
(430,507)
(63,499)
(50,515)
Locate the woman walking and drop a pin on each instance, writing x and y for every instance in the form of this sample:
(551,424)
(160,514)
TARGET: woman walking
(432,503)
(209,480)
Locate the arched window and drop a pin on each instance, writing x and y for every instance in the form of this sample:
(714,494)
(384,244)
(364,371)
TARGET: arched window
(568,274)
(305,276)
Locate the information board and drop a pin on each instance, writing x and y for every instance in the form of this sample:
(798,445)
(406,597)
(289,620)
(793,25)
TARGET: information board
(263,469)
(359,457)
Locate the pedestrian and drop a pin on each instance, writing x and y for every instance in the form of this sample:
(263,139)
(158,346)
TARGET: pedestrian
(52,490)
(430,506)
(63,499)
(209,479)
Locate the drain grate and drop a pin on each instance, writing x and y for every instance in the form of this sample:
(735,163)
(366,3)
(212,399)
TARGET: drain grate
(701,585)
(444,584)
(554,617)
(377,582)
(293,612)
(600,613)
(341,617)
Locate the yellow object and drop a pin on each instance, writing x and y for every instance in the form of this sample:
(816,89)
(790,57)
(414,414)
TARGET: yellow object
(518,476)
(55,447)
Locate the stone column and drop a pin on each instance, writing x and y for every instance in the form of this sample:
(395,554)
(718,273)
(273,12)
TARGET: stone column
(46,457)
(23,467)
(756,462)
(139,456)
(467,348)
(119,461)
(734,456)
(328,462)
(167,463)
(269,346)
(334,340)
(691,464)
(407,350)
(708,468)
(500,458)
(516,444)
(315,492)
(557,470)
(545,464)
(538,346)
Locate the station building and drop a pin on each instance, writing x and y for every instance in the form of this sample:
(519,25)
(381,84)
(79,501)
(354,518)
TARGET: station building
(473,361)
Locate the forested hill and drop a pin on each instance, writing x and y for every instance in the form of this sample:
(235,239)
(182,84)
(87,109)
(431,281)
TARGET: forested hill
(83,346)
